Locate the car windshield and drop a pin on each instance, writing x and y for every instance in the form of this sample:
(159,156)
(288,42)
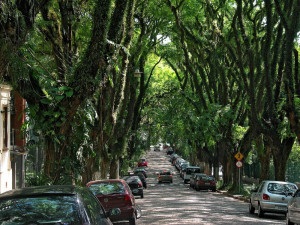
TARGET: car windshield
(107,188)
(165,173)
(279,188)
(54,209)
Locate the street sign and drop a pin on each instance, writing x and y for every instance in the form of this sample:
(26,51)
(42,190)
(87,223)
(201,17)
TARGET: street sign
(239,164)
(238,156)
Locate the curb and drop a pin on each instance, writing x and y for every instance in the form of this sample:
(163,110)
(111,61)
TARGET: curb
(239,197)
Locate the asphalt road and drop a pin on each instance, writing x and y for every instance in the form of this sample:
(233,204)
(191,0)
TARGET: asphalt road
(176,203)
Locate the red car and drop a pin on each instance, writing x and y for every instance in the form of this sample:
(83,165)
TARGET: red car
(114,193)
(142,162)
(204,182)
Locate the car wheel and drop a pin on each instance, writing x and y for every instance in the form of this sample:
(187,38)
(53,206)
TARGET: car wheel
(132,221)
(185,181)
(251,208)
(288,222)
(260,211)
(171,181)
(214,190)
(142,195)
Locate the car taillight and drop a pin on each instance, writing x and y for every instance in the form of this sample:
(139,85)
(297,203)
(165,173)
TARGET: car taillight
(266,197)
(140,184)
(127,199)
(159,176)
(171,176)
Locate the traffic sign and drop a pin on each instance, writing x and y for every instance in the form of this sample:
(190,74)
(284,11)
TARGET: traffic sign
(239,156)
(239,164)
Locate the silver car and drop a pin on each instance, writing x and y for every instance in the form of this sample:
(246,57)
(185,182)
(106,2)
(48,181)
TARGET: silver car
(271,196)
(293,213)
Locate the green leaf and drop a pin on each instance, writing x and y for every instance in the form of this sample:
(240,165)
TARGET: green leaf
(69,93)
(59,97)
(45,101)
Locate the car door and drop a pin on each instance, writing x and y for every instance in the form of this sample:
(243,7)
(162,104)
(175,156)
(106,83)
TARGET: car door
(255,197)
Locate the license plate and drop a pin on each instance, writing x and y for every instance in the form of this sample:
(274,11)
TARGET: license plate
(280,207)
(135,191)
(207,183)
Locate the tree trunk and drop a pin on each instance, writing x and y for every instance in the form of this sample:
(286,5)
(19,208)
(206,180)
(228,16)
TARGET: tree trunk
(264,154)
(281,155)
(114,168)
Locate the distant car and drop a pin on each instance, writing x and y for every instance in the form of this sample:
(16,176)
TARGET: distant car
(55,204)
(142,170)
(170,151)
(293,213)
(178,162)
(189,171)
(271,196)
(157,148)
(115,193)
(135,185)
(142,162)
(182,168)
(165,176)
(204,182)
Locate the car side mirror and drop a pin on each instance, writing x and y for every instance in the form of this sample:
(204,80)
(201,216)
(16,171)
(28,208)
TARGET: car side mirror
(114,212)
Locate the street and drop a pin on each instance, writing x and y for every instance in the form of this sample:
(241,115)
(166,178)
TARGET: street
(176,203)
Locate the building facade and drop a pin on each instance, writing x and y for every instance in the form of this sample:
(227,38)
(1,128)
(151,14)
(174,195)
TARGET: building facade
(12,142)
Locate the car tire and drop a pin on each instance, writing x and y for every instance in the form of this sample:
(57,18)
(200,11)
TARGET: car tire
(251,208)
(142,195)
(185,181)
(132,221)
(260,212)
(214,190)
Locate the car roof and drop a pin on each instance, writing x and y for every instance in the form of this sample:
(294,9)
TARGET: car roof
(106,181)
(43,190)
(193,167)
(279,182)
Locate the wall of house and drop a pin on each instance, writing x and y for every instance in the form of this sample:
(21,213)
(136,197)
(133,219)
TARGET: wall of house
(5,165)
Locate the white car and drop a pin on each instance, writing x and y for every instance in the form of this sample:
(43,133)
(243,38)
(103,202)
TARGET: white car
(271,196)
(189,171)
(293,213)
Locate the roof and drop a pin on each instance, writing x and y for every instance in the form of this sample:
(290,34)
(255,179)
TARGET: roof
(41,190)
(105,181)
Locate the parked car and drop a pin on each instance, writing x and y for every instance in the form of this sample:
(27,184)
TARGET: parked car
(157,148)
(142,178)
(115,193)
(170,151)
(182,168)
(142,162)
(172,157)
(293,212)
(135,185)
(204,182)
(165,176)
(140,170)
(178,161)
(271,196)
(55,204)
(194,178)
(189,171)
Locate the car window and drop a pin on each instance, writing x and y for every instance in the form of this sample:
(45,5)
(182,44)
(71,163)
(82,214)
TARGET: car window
(261,187)
(165,173)
(93,207)
(192,170)
(279,188)
(41,209)
(107,188)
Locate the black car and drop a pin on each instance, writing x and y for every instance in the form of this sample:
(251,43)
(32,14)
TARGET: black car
(56,204)
(142,177)
(170,151)
(135,184)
